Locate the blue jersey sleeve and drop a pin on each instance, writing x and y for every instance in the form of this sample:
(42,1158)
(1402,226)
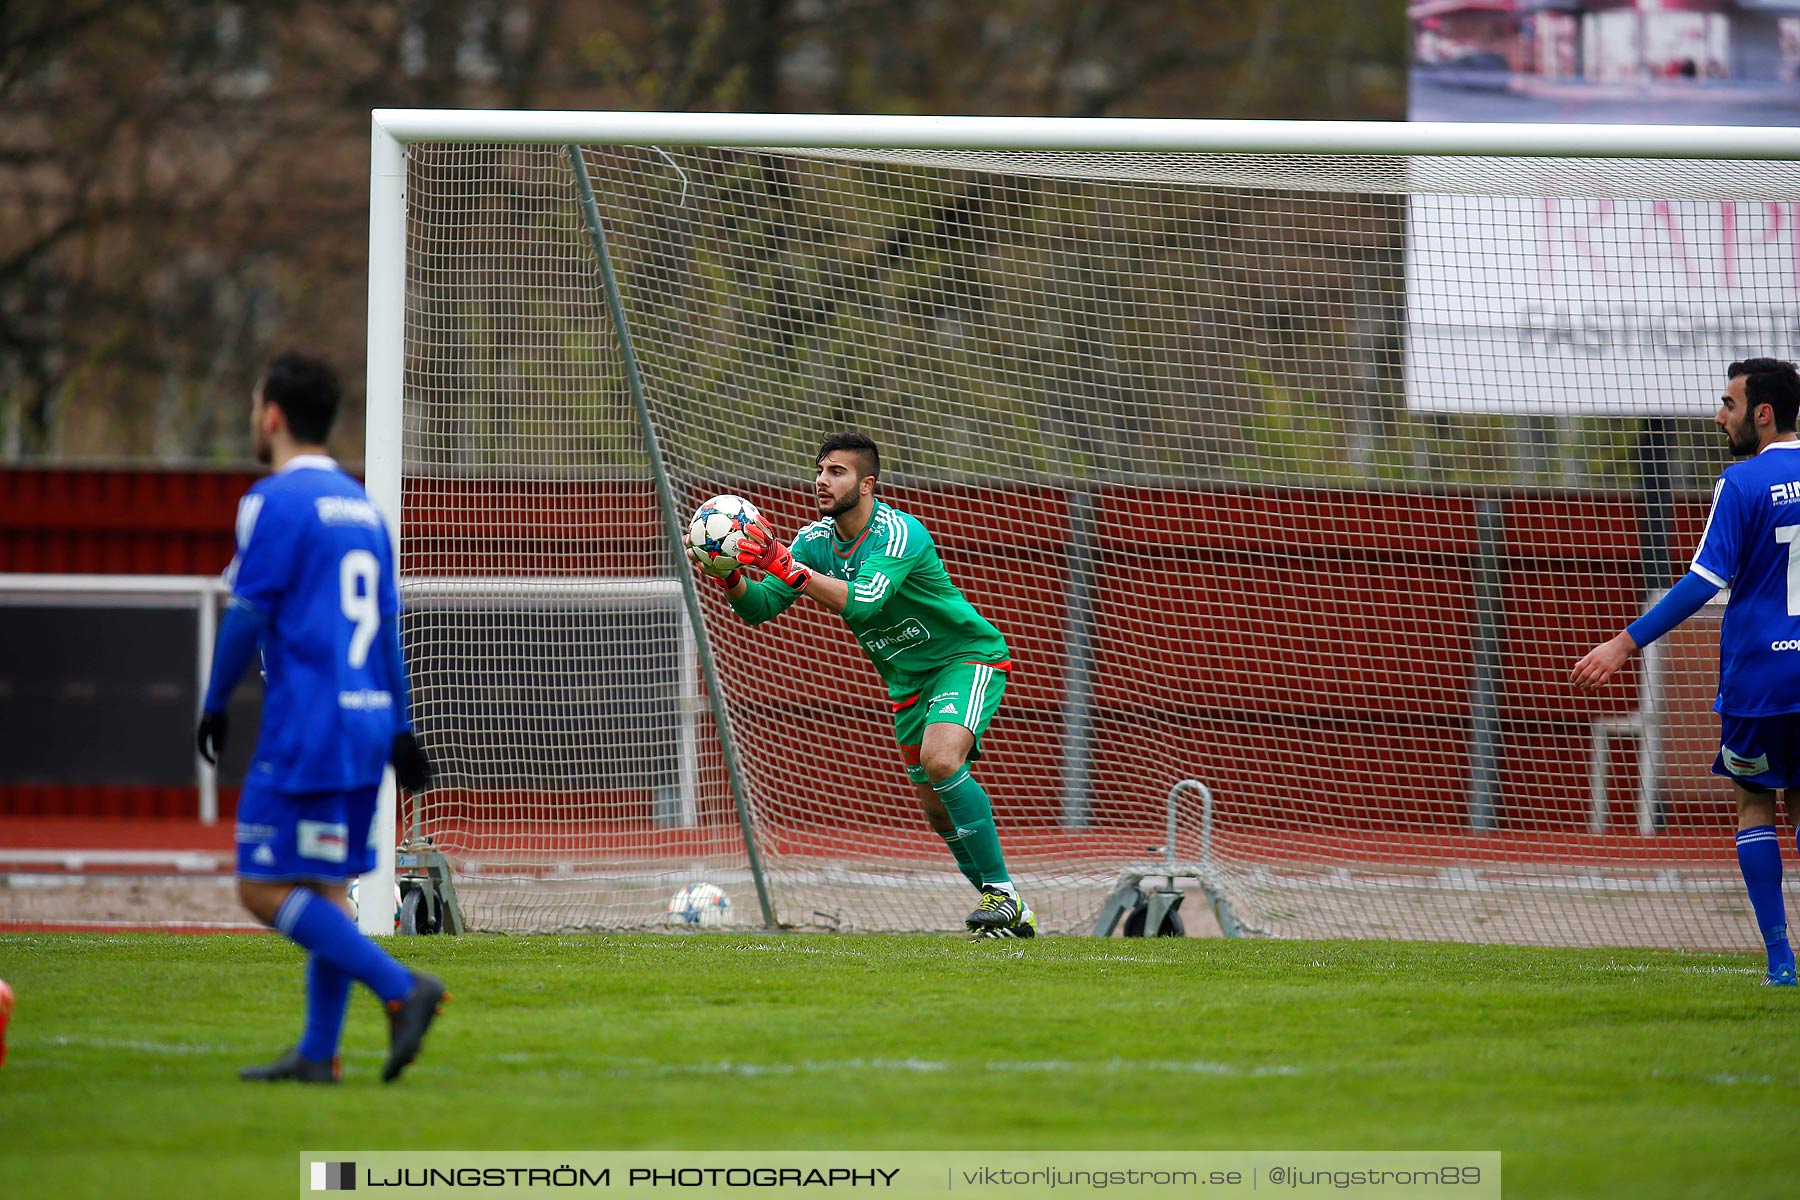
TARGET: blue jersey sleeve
(1720,542)
(240,635)
(1682,601)
(394,668)
(259,574)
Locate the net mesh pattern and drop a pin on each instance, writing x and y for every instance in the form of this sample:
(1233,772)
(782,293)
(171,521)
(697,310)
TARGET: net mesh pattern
(1373,174)
(1236,453)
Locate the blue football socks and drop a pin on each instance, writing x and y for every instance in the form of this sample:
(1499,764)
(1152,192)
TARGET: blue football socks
(318,925)
(327,998)
(1759,858)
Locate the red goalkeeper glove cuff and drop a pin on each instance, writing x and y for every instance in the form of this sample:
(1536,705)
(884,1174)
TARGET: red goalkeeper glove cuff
(760,548)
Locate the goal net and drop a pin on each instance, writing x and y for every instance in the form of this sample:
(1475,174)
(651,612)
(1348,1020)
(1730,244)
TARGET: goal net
(1302,476)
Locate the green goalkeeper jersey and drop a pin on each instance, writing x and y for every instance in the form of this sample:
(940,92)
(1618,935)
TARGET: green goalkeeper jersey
(906,614)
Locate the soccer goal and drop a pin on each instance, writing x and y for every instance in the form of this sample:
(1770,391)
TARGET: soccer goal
(1296,461)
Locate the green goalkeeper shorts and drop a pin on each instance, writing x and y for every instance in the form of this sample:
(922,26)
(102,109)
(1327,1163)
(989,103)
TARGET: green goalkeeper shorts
(966,694)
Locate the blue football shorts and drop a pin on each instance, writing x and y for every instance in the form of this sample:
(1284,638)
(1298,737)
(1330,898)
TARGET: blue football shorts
(1763,752)
(323,837)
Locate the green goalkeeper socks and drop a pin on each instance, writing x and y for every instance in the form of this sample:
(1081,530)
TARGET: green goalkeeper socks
(968,805)
(964,862)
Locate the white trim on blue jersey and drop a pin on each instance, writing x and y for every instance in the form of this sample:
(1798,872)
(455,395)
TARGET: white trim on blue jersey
(249,508)
(1749,544)
(309,462)
(321,568)
(1711,512)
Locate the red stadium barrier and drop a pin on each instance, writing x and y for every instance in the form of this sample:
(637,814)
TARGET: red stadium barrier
(1396,572)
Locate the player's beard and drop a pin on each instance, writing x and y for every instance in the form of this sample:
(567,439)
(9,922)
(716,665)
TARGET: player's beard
(834,511)
(1741,438)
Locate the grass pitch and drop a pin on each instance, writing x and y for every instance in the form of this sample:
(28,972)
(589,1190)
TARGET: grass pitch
(1596,1073)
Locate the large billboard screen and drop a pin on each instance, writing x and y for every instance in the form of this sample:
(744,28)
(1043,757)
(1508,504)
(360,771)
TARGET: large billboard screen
(1579,298)
(1613,62)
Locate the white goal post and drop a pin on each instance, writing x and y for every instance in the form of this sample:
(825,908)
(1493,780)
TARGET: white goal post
(1296,458)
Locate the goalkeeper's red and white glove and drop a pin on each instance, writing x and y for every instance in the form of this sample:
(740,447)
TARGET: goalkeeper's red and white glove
(709,571)
(760,548)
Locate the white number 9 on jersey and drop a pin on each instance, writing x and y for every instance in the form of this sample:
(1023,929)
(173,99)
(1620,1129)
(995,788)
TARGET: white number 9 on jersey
(356,579)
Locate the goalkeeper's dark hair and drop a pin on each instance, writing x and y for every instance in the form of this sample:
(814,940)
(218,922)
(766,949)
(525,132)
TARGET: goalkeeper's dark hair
(856,443)
(1772,382)
(307,392)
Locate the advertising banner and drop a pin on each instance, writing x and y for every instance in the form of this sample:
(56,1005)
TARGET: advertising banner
(1581,290)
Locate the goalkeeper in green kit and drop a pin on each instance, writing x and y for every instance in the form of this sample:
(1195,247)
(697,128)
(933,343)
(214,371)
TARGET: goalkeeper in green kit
(944,665)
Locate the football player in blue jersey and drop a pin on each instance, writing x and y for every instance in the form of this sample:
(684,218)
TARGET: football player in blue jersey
(314,586)
(1751,544)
